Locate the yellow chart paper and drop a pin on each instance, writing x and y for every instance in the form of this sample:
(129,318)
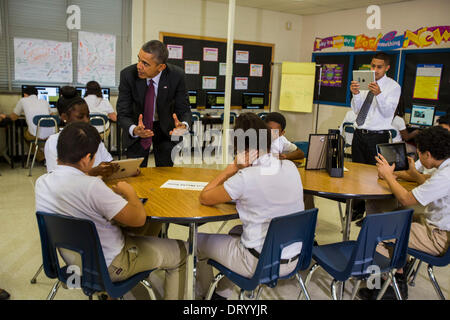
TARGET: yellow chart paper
(297,86)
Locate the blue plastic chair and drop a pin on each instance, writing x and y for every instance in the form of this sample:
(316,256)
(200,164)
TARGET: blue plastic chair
(282,232)
(262,115)
(432,261)
(392,134)
(303,145)
(41,121)
(347,259)
(195,116)
(80,235)
(233,116)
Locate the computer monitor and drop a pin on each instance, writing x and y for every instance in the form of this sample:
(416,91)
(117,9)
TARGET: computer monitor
(253,100)
(422,115)
(105,91)
(48,93)
(193,98)
(215,99)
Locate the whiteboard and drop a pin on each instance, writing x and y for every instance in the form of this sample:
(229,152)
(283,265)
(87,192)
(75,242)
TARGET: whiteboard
(42,60)
(97,58)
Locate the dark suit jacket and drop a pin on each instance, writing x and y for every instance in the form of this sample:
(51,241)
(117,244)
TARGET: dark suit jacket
(172,97)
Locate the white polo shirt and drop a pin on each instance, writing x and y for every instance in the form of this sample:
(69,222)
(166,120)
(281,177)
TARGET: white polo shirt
(383,106)
(51,153)
(68,191)
(398,124)
(422,169)
(435,195)
(31,106)
(267,189)
(282,145)
(99,105)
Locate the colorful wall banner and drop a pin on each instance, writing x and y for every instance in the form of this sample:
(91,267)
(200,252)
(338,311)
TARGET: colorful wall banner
(420,38)
(332,75)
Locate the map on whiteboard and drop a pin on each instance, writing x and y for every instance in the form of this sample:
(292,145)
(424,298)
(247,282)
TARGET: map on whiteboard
(97,58)
(42,60)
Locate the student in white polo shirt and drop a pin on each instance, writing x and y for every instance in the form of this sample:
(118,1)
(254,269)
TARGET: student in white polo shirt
(68,190)
(430,232)
(264,187)
(75,109)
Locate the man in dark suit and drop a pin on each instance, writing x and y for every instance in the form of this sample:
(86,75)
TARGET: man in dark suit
(153,105)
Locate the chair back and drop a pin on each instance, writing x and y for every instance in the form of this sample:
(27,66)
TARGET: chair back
(375,229)
(303,145)
(348,127)
(47,121)
(282,232)
(262,115)
(233,116)
(195,116)
(98,119)
(79,235)
(392,134)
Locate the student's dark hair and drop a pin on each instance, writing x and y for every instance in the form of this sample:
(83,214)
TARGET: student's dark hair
(67,105)
(436,140)
(400,111)
(30,90)
(158,49)
(445,119)
(93,87)
(67,93)
(250,124)
(76,141)
(276,117)
(383,56)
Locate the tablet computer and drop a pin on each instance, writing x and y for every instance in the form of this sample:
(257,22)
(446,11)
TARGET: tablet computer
(364,77)
(127,168)
(394,153)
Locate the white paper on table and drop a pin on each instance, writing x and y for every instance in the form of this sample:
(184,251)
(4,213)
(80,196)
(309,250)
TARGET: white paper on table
(241,83)
(184,185)
(345,169)
(192,67)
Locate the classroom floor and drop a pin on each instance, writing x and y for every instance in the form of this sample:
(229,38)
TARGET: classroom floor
(20,250)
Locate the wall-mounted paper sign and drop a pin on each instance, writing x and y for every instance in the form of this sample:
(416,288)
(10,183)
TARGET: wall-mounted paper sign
(175,51)
(241,56)
(256,70)
(428,79)
(210,54)
(222,69)
(240,83)
(192,67)
(209,82)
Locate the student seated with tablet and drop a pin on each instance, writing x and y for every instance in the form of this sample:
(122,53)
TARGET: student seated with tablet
(72,108)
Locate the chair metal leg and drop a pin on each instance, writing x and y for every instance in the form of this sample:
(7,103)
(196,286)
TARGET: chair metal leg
(412,282)
(55,288)
(396,289)
(260,290)
(29,154)
(213,286)
(341,217)
(149,288)
(434,282)
(241,295)
(411,268)
(302,286)
(333,289)
(308,278)
(386,284)
(355,289)
(33,280)
(34,159)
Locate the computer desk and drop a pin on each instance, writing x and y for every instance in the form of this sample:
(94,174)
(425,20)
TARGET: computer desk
(179,206)
(359,182)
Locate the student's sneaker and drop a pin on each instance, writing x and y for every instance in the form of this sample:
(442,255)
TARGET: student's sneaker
(371,294)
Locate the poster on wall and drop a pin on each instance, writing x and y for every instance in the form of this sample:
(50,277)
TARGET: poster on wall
(42,60)
(332,75)
(428,79)
(192,67)
(222,68)
(97,58)
(209,82)
(210,54)
(256,70)
(175,51)
(241,83)
(242,56)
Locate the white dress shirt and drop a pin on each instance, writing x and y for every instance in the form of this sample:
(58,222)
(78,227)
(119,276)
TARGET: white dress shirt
(383,106)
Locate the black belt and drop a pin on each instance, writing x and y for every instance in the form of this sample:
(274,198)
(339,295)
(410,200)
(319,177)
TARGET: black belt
(282,261)
(365,131)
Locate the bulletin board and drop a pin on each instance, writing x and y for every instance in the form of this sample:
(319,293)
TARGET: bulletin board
(254,62)
(411,60)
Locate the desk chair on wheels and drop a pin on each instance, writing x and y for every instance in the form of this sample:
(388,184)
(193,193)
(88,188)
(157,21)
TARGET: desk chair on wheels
(41,121)
(283,231)
(359,259)
(80,235)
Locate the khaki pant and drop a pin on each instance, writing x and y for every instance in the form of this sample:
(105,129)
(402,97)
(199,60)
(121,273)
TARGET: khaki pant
(145,253)
(231,253)
(30,138)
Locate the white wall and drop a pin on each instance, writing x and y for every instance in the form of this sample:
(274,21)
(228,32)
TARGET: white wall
(410,15)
